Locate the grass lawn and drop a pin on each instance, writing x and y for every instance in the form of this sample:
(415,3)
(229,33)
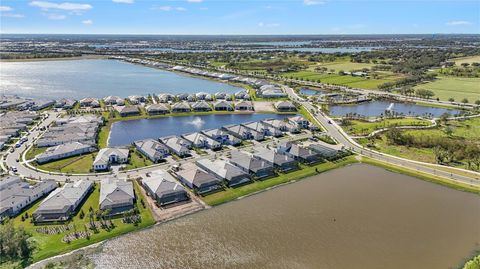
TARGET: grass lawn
(137,160)
(344,64)
(51,245)
(34,151)
(462,130)
(306,171)
(364,127)
(469,59)
(454,87)
(423,176)
(76,164)
(346,80)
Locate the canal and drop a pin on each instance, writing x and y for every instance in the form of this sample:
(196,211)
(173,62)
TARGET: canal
(359,216)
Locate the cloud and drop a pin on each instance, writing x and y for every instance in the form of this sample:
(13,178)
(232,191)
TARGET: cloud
(87,22)
(456,23)
(123,1)
(194,1)
(168,8)
(61,6)
(313,2)
(261,24)
(12,15)
(55,17)
(5,8)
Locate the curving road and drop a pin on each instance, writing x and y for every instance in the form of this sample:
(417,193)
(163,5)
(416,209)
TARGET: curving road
(334,130)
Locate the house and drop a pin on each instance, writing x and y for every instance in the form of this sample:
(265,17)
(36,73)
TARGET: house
(222,137)
(222,105)
(177,145)
(136,99)
(299,153)
(285,106)
(244,106)
(116,195)
(326,150)
(16,194)
(182,96)
(181,107)
(165,97)
(243,132)
(157,109)
(89,102)
(198,180)
(279,161)
(233,175)
(152,149)
(63,151)
(201,95)
(200,140)
(256,167)
(108,156)
(299,121)
(62,203)
(164,189)
(242,95)
(201,106)
(263,128)
(284,126)
(114,100)
(220,95)
(39,104)
(127,111)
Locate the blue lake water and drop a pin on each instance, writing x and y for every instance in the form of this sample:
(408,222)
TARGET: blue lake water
(97,78)
(126,132)
(375,108)
(306,91)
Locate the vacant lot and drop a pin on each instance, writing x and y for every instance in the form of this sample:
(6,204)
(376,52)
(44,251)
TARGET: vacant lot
(344,64)
(454,87)
(76,164)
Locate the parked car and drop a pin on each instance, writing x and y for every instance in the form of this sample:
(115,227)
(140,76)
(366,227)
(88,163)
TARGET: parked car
(14,169)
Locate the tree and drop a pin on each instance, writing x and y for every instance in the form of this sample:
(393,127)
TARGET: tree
(15,243)
(451,99)
(477,102)
(464,100)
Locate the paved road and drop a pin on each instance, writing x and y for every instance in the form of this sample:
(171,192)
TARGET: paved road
(337,133)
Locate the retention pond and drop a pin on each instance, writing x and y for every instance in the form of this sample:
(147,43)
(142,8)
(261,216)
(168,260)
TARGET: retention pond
(359,216)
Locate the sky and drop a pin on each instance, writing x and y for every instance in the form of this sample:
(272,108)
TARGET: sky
(239,17)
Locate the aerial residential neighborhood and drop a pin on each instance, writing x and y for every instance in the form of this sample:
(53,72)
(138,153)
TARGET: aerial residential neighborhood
(239,134)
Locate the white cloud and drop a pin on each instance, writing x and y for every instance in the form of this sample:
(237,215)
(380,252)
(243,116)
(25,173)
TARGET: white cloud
(168,8)
(194,1)
(5,8)
(455,23)
(261,24)
(313,2)
(12,15)
(87,22)
(123,1)
(55,17)
(61,6)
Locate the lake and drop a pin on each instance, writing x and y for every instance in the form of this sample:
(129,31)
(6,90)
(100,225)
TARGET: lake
(97,78)
(306,91)
(126,132)
(375,108)
(355,217)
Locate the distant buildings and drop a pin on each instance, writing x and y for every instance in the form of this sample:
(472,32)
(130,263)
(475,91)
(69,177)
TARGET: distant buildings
(63,203)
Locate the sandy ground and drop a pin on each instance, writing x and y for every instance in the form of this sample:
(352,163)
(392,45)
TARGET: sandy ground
(263,106)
